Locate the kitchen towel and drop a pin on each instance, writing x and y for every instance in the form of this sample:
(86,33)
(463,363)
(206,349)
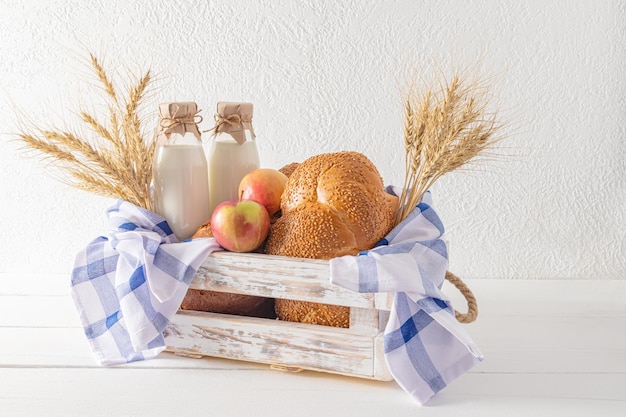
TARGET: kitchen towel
(425,346)
(128,284)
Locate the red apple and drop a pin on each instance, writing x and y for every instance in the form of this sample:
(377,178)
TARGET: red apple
(240,226)
(265,186)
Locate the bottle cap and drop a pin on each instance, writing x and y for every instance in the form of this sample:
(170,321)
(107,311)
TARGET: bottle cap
(178,117)
(234,118)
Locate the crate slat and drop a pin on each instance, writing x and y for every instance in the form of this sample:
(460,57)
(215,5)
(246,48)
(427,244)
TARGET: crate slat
(274,342)
(280,277)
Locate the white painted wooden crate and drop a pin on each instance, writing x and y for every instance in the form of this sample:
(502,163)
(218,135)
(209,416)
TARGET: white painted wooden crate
(355,351)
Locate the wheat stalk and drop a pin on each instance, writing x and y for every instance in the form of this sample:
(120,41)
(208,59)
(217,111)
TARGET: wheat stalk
(112,158)
(445,127)
(103,77)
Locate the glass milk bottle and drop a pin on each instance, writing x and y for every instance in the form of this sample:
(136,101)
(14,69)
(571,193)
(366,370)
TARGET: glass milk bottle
(179,171)
(232,152)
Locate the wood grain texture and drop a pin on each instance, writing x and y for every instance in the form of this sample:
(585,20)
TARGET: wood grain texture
(274,342)
(356,351)
(280,277)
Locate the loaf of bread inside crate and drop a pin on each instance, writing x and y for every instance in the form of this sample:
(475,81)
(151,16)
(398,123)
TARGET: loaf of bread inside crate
(334,204)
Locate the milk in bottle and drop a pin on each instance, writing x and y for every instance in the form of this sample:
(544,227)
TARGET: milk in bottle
(232,151)
(180,174)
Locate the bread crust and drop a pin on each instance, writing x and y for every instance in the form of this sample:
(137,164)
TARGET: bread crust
(289,168)
(227,303)
(204,230)
(333,205)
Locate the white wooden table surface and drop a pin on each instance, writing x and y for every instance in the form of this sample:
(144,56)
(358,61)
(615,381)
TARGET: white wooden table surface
(552,348)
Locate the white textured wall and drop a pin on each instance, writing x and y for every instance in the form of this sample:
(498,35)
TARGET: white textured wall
(323,76)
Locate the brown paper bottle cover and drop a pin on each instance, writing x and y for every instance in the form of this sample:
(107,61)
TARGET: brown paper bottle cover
(234,118)
(178,117)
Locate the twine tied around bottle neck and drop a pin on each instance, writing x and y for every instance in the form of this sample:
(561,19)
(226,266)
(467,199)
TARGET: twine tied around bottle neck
(234,119)
(179,118)
(168,124)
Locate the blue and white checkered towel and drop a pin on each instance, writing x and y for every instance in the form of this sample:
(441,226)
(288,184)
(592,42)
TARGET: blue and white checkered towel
(425,346)
(129,284)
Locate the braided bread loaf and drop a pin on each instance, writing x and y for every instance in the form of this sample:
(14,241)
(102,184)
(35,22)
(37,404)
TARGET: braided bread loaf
(334,204)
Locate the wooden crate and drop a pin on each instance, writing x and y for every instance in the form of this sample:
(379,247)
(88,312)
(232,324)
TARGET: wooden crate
(355,351)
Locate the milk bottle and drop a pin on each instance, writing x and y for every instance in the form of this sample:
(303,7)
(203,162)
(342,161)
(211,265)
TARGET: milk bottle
(232,152)
(179,171)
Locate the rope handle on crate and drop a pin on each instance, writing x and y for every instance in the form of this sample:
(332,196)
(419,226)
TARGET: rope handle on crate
(472,306)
